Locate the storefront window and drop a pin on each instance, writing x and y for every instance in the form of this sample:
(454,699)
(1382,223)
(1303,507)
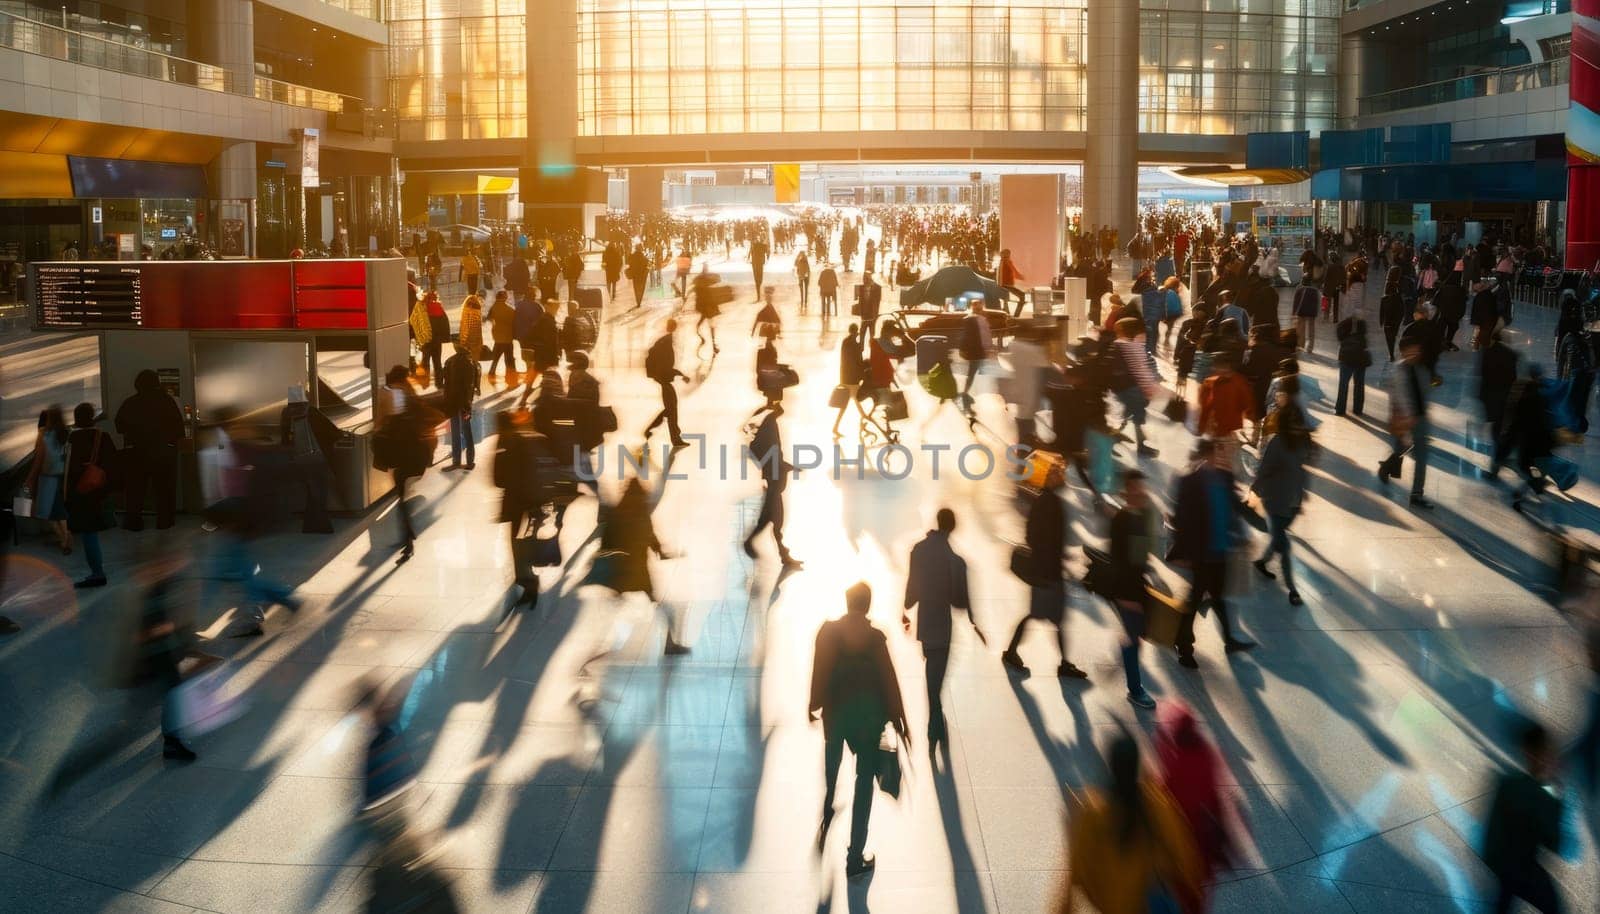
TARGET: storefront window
(170,228)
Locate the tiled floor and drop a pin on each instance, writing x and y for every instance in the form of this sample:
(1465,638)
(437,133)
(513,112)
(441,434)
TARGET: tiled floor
(1361,736)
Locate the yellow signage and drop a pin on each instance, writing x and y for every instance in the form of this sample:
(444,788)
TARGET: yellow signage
(786,183)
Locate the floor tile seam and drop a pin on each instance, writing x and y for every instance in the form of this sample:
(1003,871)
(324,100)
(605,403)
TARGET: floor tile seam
(1477,899)
(87,881)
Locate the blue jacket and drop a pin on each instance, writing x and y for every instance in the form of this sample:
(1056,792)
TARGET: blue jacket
(1153,305)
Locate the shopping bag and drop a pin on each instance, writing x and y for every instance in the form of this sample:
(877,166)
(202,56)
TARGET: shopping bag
(1177,409)
(1163,614)
(889,773)
(22,506)
(839,398)
(202,703)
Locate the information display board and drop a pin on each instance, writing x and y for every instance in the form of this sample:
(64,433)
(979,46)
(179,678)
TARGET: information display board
(70,296)
(1290,229)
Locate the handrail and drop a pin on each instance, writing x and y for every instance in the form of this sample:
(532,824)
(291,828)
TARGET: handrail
(34,37)
(276,90)
(1553,72)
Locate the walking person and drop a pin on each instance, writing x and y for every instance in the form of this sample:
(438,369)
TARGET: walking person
(1204,522)
(1307,300)
(709,297)
(660,366)
(1524,821)
(1135,531)
(1408,421)
(1391,309)
(936,583)
(1354,360)
(1281,481)
(1045,548)
(802,278)
(462,386)
(438,333)
(638,273)
(855,693)
(828,288)
(1133,379)
(407,443)
(767,450)
(852,374)
(1192,771)
(629,537)
(90,456)
(502,329)
(1011,279)
(759,252)
(868,305)
(235,500)
(46,476)
(469,336)
(611,262)
(471,270)
(151,425)
(1130,850)
(977,344)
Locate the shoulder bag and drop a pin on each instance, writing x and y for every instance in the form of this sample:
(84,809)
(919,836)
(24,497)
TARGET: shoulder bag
(92,478)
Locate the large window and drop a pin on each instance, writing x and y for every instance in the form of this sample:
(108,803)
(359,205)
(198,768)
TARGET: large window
(1238,66)
(649,67)
(458,68)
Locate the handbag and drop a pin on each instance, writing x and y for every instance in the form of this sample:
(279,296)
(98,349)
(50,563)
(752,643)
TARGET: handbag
(1097,577)
(202,703)
(92,478)
(889,772)
(22,506)
(895,408)
(605,419)
(1022,563)
(839,398)
(1177,409)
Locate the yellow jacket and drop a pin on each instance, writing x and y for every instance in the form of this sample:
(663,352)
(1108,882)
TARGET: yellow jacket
(471,333)
(1119,880)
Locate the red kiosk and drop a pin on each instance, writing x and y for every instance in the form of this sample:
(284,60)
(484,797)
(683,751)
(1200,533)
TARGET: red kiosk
(233,337)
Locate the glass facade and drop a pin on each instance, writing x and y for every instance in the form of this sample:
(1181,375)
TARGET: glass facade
(663,67)
(458,68)
(653,67)
(1221,67)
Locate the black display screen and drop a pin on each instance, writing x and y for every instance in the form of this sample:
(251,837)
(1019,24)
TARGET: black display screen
(72,295)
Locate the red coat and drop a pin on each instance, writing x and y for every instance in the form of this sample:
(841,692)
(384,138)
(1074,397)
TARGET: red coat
(1225,404)
(1192,771)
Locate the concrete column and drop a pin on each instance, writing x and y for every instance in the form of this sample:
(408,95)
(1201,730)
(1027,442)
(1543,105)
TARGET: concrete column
(1352,75)
(644,189)
(222,32)
(235,172)
(556,194)
(1583,139)
(1111,163)
(233,188)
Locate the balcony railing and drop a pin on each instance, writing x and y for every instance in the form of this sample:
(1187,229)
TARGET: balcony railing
(34,37)
(40,38)
(273,90)
(1498,82)
(367,9)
